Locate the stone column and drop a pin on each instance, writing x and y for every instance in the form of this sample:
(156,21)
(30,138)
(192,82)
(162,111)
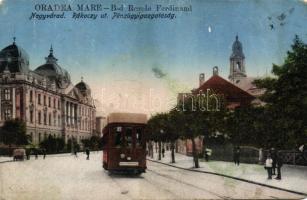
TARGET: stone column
(64,110)
(76,115)
(68,113)
(14,104)
(72,114)
(0,104)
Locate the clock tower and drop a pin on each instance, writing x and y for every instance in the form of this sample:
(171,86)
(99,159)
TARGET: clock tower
(237,62)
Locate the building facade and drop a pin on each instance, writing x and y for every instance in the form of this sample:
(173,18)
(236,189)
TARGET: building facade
(44,98)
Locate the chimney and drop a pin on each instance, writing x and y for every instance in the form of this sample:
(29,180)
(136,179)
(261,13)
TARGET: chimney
(215,71)
(201,79)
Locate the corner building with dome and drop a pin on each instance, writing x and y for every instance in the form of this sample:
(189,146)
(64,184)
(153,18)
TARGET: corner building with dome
(44,98)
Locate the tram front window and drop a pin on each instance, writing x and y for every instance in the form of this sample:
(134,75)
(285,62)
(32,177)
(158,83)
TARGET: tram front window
(118,137)
(128,137)
(138,136)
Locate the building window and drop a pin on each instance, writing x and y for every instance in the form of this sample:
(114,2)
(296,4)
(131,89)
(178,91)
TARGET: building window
(39,99)
(31,116)
(59,120)
(49,102)
(49,119)
(7,114)
(45,118)
(45,100)
(7,94)
(54,103)
(54,119)
(31,96)
(39,117)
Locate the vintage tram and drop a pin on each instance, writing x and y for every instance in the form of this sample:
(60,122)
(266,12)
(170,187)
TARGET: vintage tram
(124,145)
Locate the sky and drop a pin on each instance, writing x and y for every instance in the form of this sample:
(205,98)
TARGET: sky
(117,57)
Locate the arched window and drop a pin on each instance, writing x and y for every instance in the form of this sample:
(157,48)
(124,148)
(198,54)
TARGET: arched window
(239,66)
(31,116)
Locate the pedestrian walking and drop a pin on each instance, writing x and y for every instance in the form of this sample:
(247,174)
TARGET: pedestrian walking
(36,153)
(87,151)
(75,152)
(208,153)
(163,151)
(274,157)
(260,158)
(28,151)
(44,153)
(268,166)
(279,163)
(237,152)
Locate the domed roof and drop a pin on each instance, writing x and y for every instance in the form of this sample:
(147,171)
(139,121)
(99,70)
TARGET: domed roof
(14,59)
(237,50)
(83,88)
(53,71)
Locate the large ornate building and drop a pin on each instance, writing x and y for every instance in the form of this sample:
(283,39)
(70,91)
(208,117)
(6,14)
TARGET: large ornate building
(44,98)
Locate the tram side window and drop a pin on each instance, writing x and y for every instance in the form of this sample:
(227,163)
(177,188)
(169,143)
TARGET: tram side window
(138,137)
(128,137)
(118,137)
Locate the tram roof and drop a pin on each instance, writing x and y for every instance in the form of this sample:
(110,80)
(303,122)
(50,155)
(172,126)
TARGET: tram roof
(136,118)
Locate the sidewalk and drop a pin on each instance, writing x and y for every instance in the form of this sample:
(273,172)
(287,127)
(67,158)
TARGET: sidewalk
(8,158)
(293,177)
(5,159)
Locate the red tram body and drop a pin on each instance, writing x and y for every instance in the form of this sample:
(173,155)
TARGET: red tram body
(124,143)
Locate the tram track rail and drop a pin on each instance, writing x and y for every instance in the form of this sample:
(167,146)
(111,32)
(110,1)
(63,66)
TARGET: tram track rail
(231,177)
(115,178)
(189,184)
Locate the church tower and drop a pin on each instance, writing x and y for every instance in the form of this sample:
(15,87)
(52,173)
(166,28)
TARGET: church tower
(237,62)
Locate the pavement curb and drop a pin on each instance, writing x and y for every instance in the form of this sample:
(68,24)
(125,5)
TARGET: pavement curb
(231,177)
(6,161)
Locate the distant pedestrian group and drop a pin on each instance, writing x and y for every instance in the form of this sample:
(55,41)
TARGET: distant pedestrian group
(273,162)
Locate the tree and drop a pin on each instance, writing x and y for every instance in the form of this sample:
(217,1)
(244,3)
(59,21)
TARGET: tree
(286,98)
(14,132)
(72,145)
(93,143)
(249,125)
(172,130)
(156,129)
(193,120)
(53,145)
